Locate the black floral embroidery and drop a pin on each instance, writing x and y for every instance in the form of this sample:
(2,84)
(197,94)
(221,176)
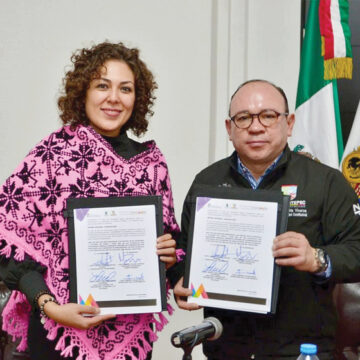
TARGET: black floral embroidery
(63,165)
(34,215)
(61,256)
(50,192)
(82,189)
(64,135)
(120,188)
(54,235)
(10,197)
(163,185)
(144,178)
(47,150)
(98,178)
(83,157)
(117,189)
(103,329)
(26,174)
(63,275)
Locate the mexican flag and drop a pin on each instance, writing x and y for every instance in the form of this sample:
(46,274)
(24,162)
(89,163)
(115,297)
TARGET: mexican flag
(325,56)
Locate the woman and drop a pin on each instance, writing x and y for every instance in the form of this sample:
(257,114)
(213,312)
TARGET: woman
(108,91)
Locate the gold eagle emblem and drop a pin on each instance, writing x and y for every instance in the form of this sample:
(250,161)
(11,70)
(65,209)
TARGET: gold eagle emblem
(351,169)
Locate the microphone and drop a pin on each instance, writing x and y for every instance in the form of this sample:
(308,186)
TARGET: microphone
(210,329)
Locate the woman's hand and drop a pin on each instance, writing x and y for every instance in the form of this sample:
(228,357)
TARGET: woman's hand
(166,246)
(71,314)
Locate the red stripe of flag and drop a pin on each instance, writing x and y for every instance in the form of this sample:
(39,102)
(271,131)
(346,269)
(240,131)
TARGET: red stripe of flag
(326,29)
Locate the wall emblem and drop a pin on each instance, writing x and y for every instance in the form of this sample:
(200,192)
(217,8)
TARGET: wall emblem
(351,170)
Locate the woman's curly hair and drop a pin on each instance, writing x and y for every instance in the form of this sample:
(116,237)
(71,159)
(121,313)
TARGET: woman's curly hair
(87,66)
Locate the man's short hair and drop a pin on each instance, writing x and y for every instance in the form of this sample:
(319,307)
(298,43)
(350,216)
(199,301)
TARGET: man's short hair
(279,89)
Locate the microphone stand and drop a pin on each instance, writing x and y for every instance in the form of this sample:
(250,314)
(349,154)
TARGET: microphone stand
(187,356)
(189,348)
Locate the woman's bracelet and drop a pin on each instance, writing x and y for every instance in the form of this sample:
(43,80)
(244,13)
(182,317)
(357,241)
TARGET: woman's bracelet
(43,315)
(39,294)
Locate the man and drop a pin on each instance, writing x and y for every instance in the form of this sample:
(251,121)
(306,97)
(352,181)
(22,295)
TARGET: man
(320,247)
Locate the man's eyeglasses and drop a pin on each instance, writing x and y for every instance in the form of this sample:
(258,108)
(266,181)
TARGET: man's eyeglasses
(243,120)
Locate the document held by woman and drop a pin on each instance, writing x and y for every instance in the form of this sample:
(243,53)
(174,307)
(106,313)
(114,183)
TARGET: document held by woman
(117,268)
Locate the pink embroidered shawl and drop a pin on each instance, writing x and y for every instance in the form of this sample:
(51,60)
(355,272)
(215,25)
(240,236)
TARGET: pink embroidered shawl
(67,164)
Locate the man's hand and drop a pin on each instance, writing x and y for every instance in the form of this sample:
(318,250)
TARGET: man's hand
(166,246)
(180,296)
(293,249)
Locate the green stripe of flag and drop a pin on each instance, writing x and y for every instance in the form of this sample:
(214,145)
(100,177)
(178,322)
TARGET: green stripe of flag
(344,14)
(311,77)
(338,121)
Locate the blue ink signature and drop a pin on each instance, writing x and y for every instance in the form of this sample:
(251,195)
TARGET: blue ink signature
(245,272)
(221,251)
(216,267)
(102,276)
(244,255)
(126,259)
(130,277)
(105,260)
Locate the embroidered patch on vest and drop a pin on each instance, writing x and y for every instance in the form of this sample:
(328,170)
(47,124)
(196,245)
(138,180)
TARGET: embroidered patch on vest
(356,208)
(298,208)
(290,190)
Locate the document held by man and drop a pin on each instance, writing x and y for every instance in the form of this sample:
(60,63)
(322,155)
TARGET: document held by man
(117,268)
(231,265)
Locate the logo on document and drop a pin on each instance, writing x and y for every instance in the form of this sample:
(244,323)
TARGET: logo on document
(200,291)
(90,301)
